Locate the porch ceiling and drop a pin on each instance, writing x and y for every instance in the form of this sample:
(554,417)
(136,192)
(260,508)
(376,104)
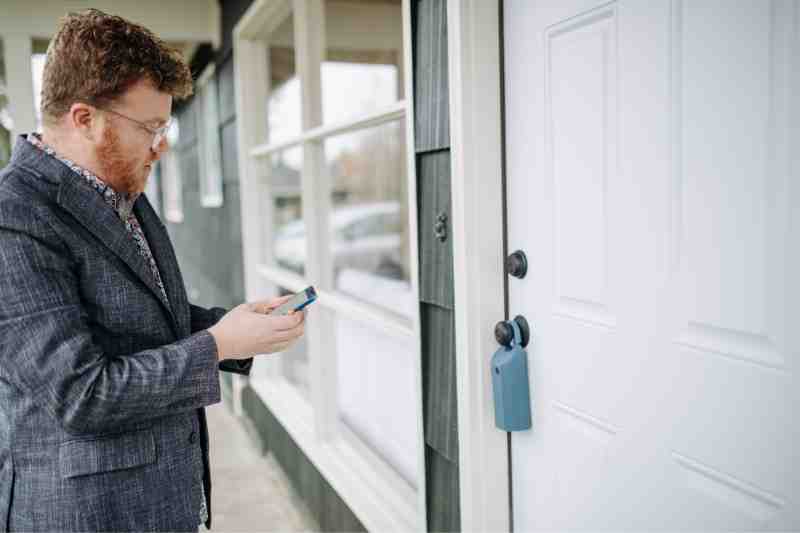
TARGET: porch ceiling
(172,20)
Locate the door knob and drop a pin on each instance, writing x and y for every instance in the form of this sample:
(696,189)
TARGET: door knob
(504,333)
(517,264)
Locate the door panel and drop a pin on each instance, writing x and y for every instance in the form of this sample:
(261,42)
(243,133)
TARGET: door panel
(650,183)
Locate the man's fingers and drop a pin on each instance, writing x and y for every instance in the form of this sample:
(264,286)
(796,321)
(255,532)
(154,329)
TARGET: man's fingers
(290,334)
(265,306)
(283,323)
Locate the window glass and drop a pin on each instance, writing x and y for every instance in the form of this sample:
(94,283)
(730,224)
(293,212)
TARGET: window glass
(170,173)
(375,385)
(211,152)
(153,189)
(37,69)
(368,222)
(284,191)
(295,359)
(5,115)
(362,71)
(284,103)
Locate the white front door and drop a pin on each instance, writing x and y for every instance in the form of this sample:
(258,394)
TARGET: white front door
(652,165)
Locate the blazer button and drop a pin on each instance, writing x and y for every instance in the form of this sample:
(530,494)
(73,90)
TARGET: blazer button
(192,437)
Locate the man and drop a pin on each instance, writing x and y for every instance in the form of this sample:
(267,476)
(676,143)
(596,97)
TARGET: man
(104,366)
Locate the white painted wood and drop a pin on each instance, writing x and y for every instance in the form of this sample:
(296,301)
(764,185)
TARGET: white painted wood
(393,112)
(309,32)
(238,384)
(652,179)
(172,184)
(476,152)
(252,83)
(176,20)
(17,49)
(208,131)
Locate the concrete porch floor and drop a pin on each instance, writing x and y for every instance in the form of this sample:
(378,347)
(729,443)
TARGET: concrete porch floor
(250,491)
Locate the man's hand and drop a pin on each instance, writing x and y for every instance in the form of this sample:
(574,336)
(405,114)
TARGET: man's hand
(248,330)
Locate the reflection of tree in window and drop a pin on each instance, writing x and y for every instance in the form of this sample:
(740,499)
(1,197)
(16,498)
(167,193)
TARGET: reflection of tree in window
(283,107)
(285,187)
(367,170)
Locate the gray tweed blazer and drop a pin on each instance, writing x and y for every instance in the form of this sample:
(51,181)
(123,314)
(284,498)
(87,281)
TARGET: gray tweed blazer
(102,382)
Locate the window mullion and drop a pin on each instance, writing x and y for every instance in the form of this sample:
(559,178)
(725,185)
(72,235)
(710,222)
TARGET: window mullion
(310,52)
(252,90)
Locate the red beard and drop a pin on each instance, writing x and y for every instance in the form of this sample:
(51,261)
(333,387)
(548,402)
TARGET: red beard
(117,169)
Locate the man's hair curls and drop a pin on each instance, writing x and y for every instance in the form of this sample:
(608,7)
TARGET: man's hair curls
(95,57)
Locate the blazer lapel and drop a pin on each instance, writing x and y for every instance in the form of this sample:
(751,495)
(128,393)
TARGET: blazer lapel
(164,254)
(88,208)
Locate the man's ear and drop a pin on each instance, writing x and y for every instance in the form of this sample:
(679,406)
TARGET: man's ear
(84,119)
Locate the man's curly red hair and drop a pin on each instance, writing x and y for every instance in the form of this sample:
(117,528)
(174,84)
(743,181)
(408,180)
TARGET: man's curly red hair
(95,57)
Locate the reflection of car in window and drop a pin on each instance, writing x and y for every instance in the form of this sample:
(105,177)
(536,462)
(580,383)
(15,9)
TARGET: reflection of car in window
(364,237)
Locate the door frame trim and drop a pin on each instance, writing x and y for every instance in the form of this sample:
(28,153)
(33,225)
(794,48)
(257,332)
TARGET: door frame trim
(478,235)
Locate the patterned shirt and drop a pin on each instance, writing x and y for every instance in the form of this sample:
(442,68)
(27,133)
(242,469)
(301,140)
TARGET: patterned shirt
(123,206)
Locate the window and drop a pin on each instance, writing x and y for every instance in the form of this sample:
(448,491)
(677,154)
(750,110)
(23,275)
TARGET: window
(37,67)
(210,152)
(328,201)
(152,189)
(5,115)
(170,174)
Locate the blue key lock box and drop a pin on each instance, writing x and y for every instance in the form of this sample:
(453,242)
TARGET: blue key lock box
(512,399)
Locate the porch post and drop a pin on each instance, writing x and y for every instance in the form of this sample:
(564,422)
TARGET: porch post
(17,51)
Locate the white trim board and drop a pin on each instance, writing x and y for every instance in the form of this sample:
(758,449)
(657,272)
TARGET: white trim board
(473,29)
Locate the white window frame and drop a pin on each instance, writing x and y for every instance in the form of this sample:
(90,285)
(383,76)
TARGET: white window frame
(152,189)
(378,496)
(210,174)
(171,180)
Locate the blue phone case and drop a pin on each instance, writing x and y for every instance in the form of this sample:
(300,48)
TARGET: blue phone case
(298,302)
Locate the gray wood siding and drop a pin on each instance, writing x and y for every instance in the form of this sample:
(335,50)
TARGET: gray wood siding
(431,89)
(439,371)
(432,132)
(442,482)
(208,243)
(435,256)
(227,96)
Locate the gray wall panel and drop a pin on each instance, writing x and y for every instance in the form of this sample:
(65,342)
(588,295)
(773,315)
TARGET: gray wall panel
(230,152)
(432,132)
(439,374)
(227,99)
(431,97)
(443,512)
(435,256)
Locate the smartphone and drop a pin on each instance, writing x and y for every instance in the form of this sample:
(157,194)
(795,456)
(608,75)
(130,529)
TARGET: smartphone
(296,302)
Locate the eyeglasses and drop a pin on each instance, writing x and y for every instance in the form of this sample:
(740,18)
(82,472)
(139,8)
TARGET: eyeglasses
(158,133)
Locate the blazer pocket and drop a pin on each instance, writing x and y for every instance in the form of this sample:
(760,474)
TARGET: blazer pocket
(104,454)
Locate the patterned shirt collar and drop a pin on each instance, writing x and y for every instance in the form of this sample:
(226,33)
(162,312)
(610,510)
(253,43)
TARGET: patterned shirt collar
(121,203)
